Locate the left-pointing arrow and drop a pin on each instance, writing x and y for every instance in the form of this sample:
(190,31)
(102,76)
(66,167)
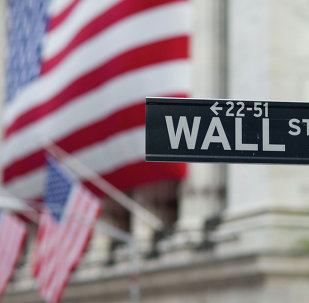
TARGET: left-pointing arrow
(215,108)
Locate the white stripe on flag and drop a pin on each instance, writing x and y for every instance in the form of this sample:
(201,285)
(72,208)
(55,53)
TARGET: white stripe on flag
(80,17)
(12,234)
(29,185)
(160,23)
(58,6)
(125,90)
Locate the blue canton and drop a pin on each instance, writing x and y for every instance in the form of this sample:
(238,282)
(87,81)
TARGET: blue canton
(58,188)
(27,22)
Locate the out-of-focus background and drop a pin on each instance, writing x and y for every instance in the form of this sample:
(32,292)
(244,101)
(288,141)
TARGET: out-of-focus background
(232,233)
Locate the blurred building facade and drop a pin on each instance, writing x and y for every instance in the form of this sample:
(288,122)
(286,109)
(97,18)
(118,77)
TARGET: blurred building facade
(237,233)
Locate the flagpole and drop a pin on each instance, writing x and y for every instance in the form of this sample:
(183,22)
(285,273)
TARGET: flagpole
(134,282)
(115,232)
(17,205)
(134,263)
(83,171)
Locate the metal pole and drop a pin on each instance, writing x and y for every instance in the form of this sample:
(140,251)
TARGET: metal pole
(134,264)
(134,279)
(12,204)
(83,171)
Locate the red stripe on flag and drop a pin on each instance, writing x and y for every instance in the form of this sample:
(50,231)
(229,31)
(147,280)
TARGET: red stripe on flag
(45,226)
(167,50)
(57,20)
(138,174)
(122,120)
(13,235)
(91,134)
(67,242)
(60,261)
(115,14)
(141,173)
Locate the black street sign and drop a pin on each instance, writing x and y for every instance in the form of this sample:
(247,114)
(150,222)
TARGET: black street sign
(239,131)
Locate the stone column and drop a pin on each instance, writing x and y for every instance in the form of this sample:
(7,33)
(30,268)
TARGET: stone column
(201,196)
(267,206)
(143,232)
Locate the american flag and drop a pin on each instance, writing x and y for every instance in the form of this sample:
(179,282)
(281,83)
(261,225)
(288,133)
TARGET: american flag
(78,73)
(65,228)
(12,238)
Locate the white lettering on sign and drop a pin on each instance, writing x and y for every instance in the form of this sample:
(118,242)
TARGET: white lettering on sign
(182,127)
(239,145)
(214,125)
(293,123)
(240,109)
(214,108)
(215,133)
(306,121)
(295,128)
(266,145)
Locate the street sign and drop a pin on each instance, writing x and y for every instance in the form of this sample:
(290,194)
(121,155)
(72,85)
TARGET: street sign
(239,131)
